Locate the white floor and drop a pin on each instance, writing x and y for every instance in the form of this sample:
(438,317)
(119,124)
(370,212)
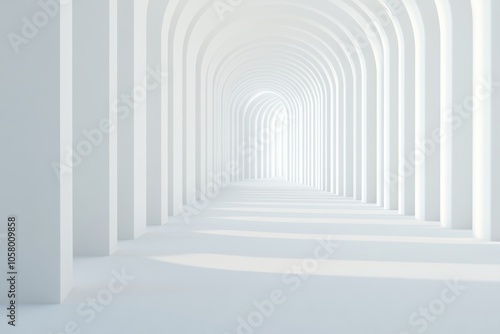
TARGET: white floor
(364,271)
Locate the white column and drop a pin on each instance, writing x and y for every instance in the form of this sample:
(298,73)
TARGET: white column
(390,119)
(176,127)
(332,142)
(94,103)
(486,177)
(348,135)
(369,132)
(406,118)
(357,138)
(126,116)
(157,170)
(145,79)
(133,81)
(339,123)
(456,115)
(35,134)
(427,109)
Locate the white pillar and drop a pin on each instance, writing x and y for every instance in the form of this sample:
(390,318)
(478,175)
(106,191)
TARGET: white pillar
(176,127)
(390,118)
(339,123)
(455,18)
(486,179)
(94,102)
(157,171)
(369,132)
(427,108)
(406,117)
(133,81)
(35,132)
(144,81)
(357,137)
(126,116)
(348,119)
